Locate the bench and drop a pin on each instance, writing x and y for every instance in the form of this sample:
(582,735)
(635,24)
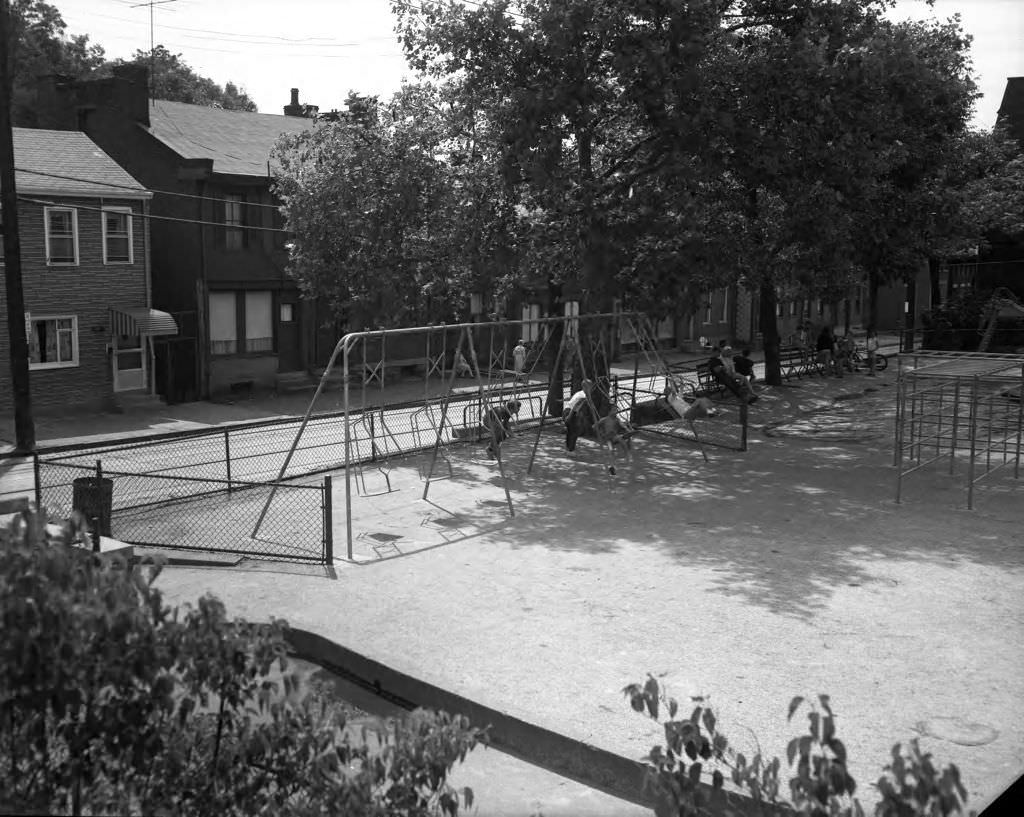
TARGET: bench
(707,384)
(796,361)
(376,370)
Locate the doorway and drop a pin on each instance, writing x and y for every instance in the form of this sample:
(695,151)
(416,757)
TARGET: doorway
(129,362)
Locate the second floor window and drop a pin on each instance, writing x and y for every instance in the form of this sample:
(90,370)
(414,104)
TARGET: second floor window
(61,235)
(117,236)
(234,235)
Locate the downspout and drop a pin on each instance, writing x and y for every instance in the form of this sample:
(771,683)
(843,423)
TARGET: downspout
(148,283)
(202,301)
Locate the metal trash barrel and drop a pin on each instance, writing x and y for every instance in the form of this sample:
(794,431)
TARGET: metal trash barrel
(94,498)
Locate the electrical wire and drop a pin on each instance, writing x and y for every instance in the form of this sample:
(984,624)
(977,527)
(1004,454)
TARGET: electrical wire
(130,187)
(151,217)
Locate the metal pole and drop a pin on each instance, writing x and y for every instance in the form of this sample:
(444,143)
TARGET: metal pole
(897,454)
(544,406)
(328,497)
(1020,424)
(39,487)
(227,457)
(302,427)
(956,426)
(974,431)
(348,449)
(444,416)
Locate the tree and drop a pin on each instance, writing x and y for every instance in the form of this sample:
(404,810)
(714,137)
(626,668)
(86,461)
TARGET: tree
(172,79)
(113,703)
(41,47)
(394,213)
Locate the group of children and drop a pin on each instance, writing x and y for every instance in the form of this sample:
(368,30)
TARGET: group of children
(735,372)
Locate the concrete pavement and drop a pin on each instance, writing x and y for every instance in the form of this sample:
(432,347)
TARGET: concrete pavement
(749,579)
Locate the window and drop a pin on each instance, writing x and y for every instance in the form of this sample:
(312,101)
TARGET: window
(530,331)
(287,313)
(778,309)
(792,308)
(223,325)
(61,235)
(707,311)
(572,326)
(234,236)
(117,235)
(821,307)
(259,329)
(53,341)
(725,306)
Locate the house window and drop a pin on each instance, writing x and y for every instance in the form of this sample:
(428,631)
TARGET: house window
(821,307)
(572,326)
(259,329)
(223,324)
(234,235)
(287,313)
(61,235)
(530,331)
(53,342)
(725,306)
(707,311)
(792,308)
(779,308)
(117,235)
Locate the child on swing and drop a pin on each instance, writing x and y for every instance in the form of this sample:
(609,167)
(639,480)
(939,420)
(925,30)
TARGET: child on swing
(498,424)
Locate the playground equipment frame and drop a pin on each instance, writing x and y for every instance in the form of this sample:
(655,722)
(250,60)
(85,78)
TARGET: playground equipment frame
(959,402)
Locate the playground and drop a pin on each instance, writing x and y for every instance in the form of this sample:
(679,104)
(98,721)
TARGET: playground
(748,578)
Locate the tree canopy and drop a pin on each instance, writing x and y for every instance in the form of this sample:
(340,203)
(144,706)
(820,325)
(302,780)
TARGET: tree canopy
(657,150)
(42,47)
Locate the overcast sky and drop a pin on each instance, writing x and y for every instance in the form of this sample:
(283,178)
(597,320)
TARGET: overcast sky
(328,47)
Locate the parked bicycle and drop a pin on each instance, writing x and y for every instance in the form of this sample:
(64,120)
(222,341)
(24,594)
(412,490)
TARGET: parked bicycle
(857,360)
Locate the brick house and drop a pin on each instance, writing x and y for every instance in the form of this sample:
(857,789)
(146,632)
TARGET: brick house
(218,250)
(85,273)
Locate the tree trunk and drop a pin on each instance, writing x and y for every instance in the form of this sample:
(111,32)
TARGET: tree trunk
(770,334)
(935,286)
(910,318)
(873,282)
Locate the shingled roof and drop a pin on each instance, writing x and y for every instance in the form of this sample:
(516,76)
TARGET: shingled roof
(1011,109)
(238,142)
(68,163)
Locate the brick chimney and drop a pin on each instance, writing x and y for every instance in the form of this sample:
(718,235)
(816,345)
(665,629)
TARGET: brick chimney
(295,109)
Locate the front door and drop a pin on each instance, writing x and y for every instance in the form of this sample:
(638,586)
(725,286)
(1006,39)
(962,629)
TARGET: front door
(289,345)
(129,360)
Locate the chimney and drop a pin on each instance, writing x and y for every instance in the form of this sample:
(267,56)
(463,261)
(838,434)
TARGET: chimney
(295,109)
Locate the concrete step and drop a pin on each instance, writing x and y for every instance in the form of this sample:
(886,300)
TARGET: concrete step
(138,401)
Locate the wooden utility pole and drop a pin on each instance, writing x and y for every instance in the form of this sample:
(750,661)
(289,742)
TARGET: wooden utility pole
(24,427)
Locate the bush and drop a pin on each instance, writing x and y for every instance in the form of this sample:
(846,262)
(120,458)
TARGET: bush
(954,324)
(112,702)
(696,753)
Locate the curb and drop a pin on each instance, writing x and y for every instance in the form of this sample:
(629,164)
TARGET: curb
(594,767)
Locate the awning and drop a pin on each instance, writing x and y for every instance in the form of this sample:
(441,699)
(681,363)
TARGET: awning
(142,322)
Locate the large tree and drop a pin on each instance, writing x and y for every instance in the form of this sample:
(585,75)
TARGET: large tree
(395,212)
(41,46)
(173,79)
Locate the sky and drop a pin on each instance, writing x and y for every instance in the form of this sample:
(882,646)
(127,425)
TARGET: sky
(326,48)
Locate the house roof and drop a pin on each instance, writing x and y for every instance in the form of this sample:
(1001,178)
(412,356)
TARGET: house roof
(238,142)
(69,163)
(1012,107)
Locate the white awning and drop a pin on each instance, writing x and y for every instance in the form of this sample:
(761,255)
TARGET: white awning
(142,322)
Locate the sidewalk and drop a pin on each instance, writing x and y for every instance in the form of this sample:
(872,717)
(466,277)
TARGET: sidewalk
(200,415)
(751,578)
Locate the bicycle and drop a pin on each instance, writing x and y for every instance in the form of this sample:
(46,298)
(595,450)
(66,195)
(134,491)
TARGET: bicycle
(857,359)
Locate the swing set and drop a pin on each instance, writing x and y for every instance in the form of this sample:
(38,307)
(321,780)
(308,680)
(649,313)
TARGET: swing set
(373,436)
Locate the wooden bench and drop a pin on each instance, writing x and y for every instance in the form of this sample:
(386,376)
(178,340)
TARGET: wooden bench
(707,384)
(796,361)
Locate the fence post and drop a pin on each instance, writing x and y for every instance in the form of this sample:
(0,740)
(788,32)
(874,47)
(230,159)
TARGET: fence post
(373,438)
(328,522)
(227,456)
(35,477)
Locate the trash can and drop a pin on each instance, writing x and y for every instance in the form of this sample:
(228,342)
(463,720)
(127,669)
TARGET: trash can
(94,499)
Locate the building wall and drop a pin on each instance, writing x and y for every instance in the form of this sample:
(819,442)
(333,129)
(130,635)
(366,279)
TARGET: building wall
(191,259)
(86,292)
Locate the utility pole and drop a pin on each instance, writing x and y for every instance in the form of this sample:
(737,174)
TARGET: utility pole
(24,426)
(152,41)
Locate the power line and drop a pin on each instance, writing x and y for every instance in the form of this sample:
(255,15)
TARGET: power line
(151,217)
(130,187)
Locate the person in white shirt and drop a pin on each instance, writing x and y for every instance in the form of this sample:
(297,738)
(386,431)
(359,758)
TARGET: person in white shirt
(519,359)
